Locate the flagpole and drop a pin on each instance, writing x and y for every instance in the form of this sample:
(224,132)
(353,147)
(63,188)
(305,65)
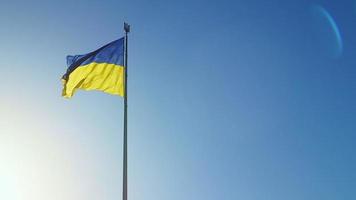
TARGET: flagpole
(124,183)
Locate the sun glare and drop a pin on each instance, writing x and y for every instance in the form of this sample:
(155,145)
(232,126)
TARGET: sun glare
(32,165)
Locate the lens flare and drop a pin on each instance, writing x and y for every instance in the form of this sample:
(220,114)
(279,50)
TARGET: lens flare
(328,32)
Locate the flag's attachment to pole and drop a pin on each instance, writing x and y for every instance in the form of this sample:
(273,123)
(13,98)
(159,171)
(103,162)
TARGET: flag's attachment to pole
(124,183)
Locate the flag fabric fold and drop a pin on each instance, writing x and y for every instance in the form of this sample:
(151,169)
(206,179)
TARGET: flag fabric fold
(102,69)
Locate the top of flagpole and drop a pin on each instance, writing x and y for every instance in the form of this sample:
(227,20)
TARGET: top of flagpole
(126,27)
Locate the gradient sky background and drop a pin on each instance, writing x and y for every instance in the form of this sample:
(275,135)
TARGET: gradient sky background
(251,100)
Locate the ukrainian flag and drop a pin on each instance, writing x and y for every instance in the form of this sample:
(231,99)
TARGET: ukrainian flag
(102,70)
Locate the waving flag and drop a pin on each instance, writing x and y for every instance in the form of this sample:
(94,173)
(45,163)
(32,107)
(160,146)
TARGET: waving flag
(102,70)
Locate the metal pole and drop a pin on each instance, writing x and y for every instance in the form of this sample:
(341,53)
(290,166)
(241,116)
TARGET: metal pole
(124,183)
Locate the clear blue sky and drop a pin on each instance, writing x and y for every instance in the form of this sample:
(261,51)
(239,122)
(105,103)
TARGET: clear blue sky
(228,100)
